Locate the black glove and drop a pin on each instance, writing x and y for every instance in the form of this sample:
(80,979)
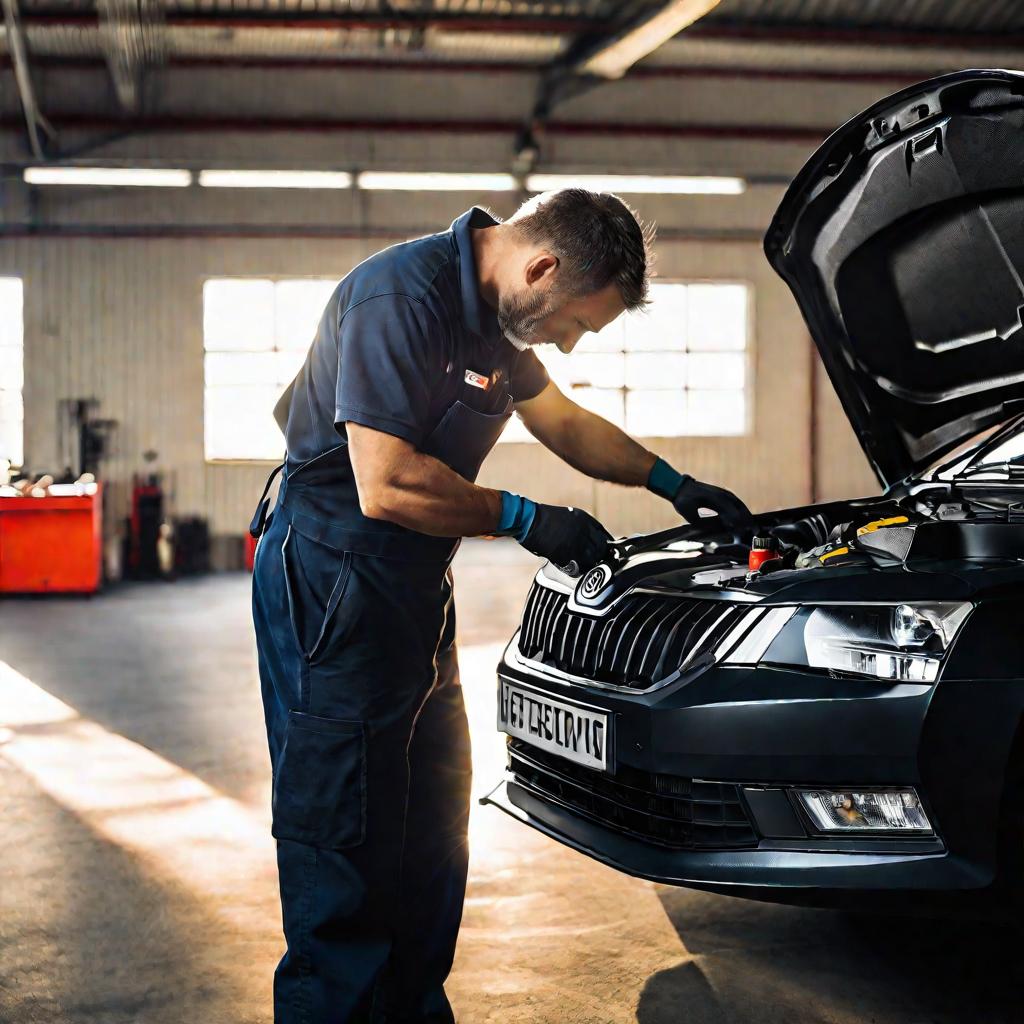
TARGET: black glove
(565,535)
(693,495)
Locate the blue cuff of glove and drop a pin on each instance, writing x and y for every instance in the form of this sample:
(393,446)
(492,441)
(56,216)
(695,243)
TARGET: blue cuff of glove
(663,480)
(517,515)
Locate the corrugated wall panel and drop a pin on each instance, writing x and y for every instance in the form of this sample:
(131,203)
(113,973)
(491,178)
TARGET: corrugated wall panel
(121,320)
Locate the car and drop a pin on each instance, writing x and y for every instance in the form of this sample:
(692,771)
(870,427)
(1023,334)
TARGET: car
(827,709)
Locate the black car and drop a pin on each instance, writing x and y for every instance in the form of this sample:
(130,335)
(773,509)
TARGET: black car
(828,711)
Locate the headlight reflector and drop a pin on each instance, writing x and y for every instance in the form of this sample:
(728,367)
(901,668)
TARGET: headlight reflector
(890,810)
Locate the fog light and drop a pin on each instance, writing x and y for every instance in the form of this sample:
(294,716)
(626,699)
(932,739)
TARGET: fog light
(886,810)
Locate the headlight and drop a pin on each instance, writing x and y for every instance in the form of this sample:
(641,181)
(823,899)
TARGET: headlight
(904,642)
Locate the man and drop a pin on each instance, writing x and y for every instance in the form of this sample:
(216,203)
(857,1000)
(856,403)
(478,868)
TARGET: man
(422,354)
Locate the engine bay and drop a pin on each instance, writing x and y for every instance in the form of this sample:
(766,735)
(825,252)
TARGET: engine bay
(922,521)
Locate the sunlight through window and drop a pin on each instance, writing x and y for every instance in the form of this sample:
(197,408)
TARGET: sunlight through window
(256,332)
(678,368)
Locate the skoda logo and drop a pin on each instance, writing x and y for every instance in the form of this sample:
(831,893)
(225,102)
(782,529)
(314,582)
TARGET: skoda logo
(594,582)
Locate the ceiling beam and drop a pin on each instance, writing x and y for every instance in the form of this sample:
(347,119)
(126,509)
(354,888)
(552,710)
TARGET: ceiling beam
(273,232)
(796,134)
(419,66)
(131,38)
(593,59)
(313,19)
(35,122)
(613,56)
(717,29)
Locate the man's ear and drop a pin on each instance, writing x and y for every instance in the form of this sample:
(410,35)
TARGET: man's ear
(541,266)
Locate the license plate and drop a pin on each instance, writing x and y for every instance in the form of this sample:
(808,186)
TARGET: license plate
(578,734)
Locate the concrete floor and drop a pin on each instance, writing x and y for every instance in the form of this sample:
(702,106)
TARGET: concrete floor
(136,871)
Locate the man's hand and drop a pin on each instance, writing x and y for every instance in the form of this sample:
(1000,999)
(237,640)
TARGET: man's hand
(692,496)
(565,535)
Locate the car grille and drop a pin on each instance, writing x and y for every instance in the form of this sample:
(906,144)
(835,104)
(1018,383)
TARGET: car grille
(646,638)
(667,810)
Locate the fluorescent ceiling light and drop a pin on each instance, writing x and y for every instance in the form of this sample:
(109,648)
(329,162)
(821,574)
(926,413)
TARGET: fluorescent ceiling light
(660,184)
(153,177)
(437,181)
(275,179)
(615,58)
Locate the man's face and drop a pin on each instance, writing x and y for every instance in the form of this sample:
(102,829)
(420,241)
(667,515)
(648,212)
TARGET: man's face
(540,315)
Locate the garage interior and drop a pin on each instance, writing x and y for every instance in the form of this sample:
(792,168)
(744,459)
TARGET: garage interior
(146,328)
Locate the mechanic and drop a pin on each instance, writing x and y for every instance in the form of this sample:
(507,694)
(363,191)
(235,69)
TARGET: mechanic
(421,355)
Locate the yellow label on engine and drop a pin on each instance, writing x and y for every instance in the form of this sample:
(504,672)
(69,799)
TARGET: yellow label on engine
(878,523)
(832,554)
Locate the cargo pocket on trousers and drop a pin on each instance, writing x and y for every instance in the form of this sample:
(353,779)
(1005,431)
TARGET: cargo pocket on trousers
(319,793)
(315,577)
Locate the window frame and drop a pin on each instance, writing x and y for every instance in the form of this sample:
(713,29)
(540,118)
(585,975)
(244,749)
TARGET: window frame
(747,354)
(274,279)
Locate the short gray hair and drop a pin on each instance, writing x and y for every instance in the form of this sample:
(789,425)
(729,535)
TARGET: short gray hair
(597,238)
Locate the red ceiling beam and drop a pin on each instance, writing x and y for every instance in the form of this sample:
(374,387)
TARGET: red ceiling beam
(318,21)
(797,134)
(423,66)
(272,232)
(854,36)
(704,29)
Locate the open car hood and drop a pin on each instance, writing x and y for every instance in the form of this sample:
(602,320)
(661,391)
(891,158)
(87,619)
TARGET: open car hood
(903,241)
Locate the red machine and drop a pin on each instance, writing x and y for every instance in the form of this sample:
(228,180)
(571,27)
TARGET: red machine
(250,551)
(51,544)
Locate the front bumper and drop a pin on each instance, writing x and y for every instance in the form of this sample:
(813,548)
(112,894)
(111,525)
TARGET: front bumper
(769,728)
(769,871)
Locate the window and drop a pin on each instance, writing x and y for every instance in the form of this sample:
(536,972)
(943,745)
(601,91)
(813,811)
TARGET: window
(12,371)
(677,368)
(256,332)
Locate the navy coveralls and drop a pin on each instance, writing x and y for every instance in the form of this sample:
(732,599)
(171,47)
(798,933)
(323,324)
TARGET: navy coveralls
(355,629)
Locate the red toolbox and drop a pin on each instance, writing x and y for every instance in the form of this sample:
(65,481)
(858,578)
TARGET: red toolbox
(51,544)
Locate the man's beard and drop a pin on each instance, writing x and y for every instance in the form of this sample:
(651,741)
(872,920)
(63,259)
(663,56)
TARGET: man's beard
(520,313)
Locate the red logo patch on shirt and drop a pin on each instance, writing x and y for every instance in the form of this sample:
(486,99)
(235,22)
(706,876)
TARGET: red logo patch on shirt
(478,380)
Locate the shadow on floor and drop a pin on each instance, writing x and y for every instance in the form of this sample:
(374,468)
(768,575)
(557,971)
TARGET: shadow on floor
(760,963)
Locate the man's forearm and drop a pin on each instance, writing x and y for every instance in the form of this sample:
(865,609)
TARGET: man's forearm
(424,494)
(603,451)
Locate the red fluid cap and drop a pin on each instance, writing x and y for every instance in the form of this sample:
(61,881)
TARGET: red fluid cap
(763,549)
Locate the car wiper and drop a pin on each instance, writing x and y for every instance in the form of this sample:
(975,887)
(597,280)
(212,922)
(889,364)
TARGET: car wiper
(1013,468)
(1010,427)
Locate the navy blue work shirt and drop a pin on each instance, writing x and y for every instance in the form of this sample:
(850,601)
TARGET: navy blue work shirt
(394,346)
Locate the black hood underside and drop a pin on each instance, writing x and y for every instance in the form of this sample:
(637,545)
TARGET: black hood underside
(903,242)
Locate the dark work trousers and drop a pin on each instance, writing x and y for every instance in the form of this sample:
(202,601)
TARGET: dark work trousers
(370,756)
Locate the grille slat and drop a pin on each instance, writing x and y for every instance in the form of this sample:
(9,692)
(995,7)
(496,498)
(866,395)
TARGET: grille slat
(573,630)
(531,633)
(588,646)
(651,651)
(666,810)
(535,630)
(642,641)
(627,617)
(697,635)
(544,625)
(648,615)
(675,642)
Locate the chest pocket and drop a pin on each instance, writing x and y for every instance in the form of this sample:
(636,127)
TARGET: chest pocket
(464,435)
